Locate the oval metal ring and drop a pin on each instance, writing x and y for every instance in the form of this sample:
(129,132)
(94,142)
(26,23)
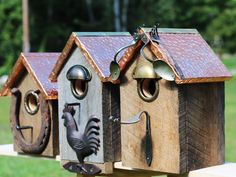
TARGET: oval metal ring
(141,93)
(27,100)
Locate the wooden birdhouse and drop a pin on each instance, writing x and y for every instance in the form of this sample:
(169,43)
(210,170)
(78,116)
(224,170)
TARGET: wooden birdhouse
(172,88)
(34,107)
(82,74)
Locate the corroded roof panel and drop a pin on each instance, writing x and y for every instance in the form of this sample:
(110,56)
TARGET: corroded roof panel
(39,66)
(102,49)
(191,56)
(99,48)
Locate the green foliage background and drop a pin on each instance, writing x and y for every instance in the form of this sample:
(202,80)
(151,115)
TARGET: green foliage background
(52,21)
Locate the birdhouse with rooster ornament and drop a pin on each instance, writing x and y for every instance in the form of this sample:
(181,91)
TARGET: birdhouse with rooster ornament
(171,101)
(34,108)
(87,100)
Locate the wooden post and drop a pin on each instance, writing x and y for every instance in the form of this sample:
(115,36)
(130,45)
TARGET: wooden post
(128,173)
(25,11)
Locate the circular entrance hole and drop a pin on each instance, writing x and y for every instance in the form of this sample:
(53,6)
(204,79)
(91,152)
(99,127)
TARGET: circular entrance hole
(79,88)
(148,89)
(31,102)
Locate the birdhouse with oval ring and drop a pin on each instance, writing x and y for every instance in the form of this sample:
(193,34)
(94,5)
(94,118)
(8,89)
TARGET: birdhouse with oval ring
(171,102)
(34,106)
(87,100)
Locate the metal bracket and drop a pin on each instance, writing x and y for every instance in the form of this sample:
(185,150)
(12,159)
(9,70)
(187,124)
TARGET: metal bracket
(114,66)
(148,138)
(83,169)
(23,127)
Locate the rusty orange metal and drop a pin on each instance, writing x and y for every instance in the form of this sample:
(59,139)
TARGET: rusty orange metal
(39,66)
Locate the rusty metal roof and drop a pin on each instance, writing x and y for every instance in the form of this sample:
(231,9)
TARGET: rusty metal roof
(98,48)
(189,56)
(39,66)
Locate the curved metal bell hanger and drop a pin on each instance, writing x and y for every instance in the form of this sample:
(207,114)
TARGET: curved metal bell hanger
(154,37)
(114,66)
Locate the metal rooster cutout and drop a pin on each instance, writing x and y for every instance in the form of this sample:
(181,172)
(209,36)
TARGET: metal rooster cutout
(84,144)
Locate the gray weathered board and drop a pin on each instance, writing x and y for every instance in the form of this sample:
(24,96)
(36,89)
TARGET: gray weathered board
(99,101)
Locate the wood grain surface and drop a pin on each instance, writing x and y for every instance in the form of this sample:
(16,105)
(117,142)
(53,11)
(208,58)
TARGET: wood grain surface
(187,125)
(26,83)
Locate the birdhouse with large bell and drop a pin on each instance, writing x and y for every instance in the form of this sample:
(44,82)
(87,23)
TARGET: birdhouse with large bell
(34,107)
(171,102)
(89,140)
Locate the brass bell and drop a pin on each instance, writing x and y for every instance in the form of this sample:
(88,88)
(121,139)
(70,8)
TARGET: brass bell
(144,70)
(78,72)
(114,70)
(164,70)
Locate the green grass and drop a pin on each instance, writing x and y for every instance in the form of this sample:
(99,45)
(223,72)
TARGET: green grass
(5,132)
(230,112)
(21,166)
(33,167)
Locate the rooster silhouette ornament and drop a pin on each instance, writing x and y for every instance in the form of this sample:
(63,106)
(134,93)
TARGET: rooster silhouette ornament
(84,144)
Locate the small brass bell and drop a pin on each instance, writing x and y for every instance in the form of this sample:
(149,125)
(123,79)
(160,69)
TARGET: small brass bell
(164,70)
(144,70)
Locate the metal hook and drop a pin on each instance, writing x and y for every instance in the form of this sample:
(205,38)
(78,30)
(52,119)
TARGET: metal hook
(146,42)
(114,66)
(148,137)
(125,47)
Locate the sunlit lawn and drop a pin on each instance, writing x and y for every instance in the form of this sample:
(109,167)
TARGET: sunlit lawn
(230,113)
(32,167)
(23,167)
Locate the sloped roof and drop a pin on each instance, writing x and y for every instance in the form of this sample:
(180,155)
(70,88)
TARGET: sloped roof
(189,56)
(99,48)
(39,66)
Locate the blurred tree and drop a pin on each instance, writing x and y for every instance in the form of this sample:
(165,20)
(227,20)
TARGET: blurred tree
(10,33)
(222,29)
(52,21)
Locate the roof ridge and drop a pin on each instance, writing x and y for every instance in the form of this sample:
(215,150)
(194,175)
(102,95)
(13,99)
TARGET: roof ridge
(102,33)
(174,30)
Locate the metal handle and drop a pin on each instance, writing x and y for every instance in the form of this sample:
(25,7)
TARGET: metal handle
(125,47)
(23,127)
(148,137)
(136,38)
(132,120)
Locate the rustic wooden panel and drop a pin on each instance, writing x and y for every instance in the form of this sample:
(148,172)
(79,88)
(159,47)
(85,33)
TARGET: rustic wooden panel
(53,145)
(201,125)
(90,105)
(164,126)
(26,83)
(111,134)
(116,128)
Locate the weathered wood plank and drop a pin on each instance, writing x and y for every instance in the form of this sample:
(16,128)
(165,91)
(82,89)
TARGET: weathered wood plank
(225,170)
(201,125)
(91,104)
(164,126)
(111,130)
(24,84)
